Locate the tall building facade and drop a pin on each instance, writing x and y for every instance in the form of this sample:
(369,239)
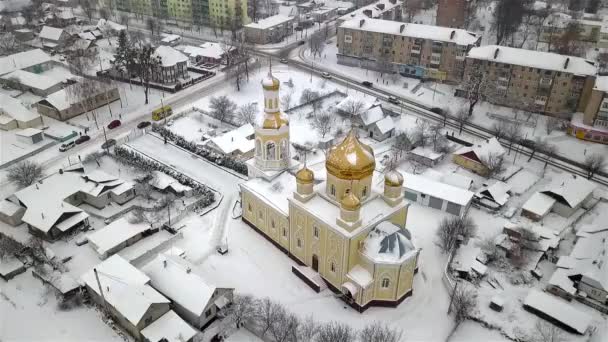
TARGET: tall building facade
(452,13)
(225,13)
(346,232)
(543,82)
(413,50)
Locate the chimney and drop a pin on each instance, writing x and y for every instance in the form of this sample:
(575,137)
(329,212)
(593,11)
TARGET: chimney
(361,22)
(567,62)
(496,53)
(401,28)
(452,34)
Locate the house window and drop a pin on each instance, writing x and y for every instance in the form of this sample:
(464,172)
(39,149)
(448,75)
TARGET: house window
(315,231)
(284,232)
(385,283)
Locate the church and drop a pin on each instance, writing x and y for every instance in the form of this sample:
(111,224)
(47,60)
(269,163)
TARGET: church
(345,229)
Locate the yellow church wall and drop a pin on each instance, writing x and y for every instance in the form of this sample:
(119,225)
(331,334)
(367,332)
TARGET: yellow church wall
(406,277)
(470,164)
(400,218)
(342,185)
(390,272)
(266,219)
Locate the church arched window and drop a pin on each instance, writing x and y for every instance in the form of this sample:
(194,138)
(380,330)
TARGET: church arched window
(284,149)
(332,190)
(386,283)
(332,267)
(364,191)
(271,150)
(276,103)
(258,147)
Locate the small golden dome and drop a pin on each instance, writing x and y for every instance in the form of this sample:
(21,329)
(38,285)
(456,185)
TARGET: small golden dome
(393,178)
(271,83)
(350,202)
(305,176)
(351,159)
(274,120)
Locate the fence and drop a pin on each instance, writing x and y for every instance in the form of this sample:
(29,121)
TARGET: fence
(320,98)
(513,120)
(154,85)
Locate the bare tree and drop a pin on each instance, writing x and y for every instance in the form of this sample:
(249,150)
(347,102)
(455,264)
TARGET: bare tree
(307,330)
(104,13)
(452,229)
(124,20)
(316,43)
(513,134)
(309,96)
(602,59)
(8,43)
(499,129)
(24,173)
(323,123)
(488,246)
(422,135)
(547,332)
(248,112)
(267,313)
(353,107)
(535,146)
(462,305)
(402,144)
(285,327)
(221,107)
(286,99)
(412,8)
(508,15)
(550,151)
(474,86)
(569,42)
(146,63)
(494,164)
(377,332)
(594,163)
(551,124)
(8,247)
(462,117)
(335,332)
(435,135)
(242,310)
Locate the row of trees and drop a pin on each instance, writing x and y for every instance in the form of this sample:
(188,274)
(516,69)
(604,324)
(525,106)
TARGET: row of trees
(273,321)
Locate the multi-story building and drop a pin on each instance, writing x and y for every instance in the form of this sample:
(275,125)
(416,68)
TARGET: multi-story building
(557,24)
(592,124)
(270,30)
(452,13)
(225,13)
(383,9)
(414,50)
(180,10)
(543,82)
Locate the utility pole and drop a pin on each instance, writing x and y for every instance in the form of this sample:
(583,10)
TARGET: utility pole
(452,298)
(103,299)
(106,139)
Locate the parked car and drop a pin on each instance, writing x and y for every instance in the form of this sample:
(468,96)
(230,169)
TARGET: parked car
(68,145)
(143,124)
(81,139)
(284,60)
(301,42)
(367,84)
(437,110)
(113,124)
(326,75)
(393,100)
(108,144)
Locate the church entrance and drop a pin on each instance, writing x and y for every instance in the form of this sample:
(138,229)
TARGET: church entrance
(315,263)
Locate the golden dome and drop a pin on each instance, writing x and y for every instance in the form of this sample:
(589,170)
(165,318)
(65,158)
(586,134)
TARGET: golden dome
(274,120)
(393,178)
(351,159)
(350,202)
(305,176)
(271,83)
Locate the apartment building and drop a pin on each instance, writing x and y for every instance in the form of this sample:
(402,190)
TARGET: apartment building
(543,82)
(383,9)
(222,13)
(452,13)
(269,30)
(592,124)
(554,27)
(413,50)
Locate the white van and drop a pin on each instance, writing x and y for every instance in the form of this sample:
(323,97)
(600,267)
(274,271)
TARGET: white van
(68,145)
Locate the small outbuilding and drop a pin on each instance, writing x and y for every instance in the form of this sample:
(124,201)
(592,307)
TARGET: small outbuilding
(116,236)
(10,268)
(425,156)
(30,136)
(11,213)
(537,206)
(434,194)
(169,328)
(557,311)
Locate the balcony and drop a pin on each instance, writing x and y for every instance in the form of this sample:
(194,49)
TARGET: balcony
(415,50)
(541,101)
(545,82)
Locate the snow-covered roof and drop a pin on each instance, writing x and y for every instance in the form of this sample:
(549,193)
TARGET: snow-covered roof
(8,208)
(559,310)
(497,191)
(534,59)
(387,243)
(9,265)
(427,153)
(173,277)
(270,22)
(170,38)
(590,258)
(168,328)
(235,140)
(169,56)
(32,80)
(344,104)
(601,83)
(114,234)
(440,190)
(483,150)
(571,188)
(13,108)
(456,179)
(208,50)
(87,36)
(376,9)
(61,100)
(430,32)
(23,60)
(110,25)
(360,275)
(372,115)
(163,181)
(51,33)
(539,204)
(385,125)
(124,287)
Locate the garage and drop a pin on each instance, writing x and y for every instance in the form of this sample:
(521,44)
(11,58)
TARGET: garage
(436,203)
(412,196)
(437,195)
(453,208)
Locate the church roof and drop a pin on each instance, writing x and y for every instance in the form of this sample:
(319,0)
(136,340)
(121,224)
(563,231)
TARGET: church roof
(351,159)
(387,243)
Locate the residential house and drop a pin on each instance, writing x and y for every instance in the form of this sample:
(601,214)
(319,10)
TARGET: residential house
(11,213)
(476,158)
(165,183)
(237,143)
(28,81)
(381,129)
(437,195)
(269,30)
(208,53)
(192,297)
(62,106)
(30,136)
(383,9)
(425,156)
(413,50)
(173,65)
(52,37)
(493,196)
(171,40)
(116,236)
(557,311)
(35,61)
(543,82)
(169,328)
(13,115)
(592,124)
(125,293)
(322,14)
(564,195)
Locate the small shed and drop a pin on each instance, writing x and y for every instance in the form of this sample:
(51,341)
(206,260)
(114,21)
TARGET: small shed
(11,213)
(425,156)
(431,193)
(169,328)
(497,303)
(537,207)
(10,268)
(557,311)
(30,136)
(382,129)
(116,236)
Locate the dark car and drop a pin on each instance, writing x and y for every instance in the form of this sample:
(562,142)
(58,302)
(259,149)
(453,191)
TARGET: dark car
(301,42)
(114,124)
(393,100)
(437,110)
(108,144)
(143,124)
(82,138)
(367,84)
